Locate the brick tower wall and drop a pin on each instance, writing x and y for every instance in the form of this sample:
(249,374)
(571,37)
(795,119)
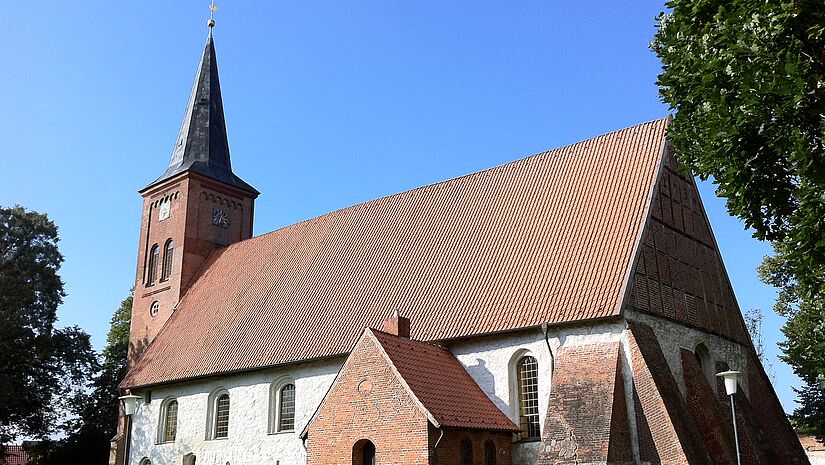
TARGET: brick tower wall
(193,201)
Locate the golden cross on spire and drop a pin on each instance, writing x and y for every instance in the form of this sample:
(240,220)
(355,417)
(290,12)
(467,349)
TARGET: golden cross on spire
(212,8)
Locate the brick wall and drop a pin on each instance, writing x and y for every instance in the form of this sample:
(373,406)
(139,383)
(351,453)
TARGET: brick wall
(666,434)
(367,401)
(587,416)
(680,274)
(448,451)
(192,200)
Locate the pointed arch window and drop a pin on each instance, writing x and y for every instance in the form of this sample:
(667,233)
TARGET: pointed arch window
(168,251)
(527,372)
(152,272)
(466,452)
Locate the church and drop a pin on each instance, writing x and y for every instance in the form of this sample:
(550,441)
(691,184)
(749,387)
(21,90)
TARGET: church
(570,307)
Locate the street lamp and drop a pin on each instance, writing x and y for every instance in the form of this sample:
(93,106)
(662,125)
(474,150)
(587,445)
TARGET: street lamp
(129,408)
(731,378)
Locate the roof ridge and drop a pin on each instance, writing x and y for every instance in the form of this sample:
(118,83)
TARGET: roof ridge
(410,340)
(402,194)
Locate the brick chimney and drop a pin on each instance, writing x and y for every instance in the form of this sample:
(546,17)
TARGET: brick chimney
(397,325)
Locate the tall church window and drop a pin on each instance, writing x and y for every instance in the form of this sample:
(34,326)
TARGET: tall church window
(489,453)
(168,250)
(527,372)
(286,408)
(217,420)
(222,416)
(466,452)
(154,257)
(169,420)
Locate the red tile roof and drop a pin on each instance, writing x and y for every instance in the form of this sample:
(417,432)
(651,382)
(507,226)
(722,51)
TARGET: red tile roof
(548,238)
(442,385)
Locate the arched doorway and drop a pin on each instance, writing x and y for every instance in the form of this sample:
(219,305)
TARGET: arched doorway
(363,453)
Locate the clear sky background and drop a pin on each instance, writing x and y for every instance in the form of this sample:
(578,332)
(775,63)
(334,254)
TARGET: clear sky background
(327,104)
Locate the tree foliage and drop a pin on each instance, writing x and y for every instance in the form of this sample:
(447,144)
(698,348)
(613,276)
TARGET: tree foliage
(746,79)
(41,367)
(96,411)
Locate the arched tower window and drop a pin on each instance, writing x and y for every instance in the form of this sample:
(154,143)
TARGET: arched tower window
(363,453)
(466,452)
(152,272)
(168,251)
(168,420)
(489,453)
(145,461)
(527,373)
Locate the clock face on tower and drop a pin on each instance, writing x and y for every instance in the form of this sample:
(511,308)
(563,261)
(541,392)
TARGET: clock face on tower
(220,218)
(164,210)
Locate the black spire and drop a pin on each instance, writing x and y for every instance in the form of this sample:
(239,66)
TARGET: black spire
(202,146)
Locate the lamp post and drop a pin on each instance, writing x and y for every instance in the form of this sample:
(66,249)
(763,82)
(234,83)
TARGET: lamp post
(129,408)
(731,378)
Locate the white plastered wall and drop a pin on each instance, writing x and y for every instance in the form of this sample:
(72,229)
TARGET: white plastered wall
(249,440)
(490,361)
(674,336)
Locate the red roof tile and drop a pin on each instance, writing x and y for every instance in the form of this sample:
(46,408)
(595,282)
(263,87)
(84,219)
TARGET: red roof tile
(548,238)
(442,385)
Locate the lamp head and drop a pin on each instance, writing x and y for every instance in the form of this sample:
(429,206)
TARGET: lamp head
(731,377)
(129,403)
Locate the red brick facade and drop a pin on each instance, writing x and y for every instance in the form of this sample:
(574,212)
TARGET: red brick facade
(587,414)
(370,401)
(679,274)
(193,201)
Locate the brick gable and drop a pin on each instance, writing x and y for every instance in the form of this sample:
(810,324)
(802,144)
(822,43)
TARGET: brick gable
(679,271)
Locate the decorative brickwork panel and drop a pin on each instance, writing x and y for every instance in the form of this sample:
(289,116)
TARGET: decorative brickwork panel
(587,416)
(680,274)
(368,401)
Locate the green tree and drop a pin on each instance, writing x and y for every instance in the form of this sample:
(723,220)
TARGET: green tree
(96,411)
(41,367)
(746,79)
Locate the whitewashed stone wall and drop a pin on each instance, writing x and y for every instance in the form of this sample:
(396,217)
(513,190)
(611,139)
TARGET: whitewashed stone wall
(673,337)
(249,440)
(491,362)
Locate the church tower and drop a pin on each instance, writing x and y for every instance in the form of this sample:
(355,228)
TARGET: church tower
(196,206)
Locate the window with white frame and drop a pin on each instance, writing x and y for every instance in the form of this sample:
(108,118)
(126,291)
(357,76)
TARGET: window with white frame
(168,427)
(282,406)
(527,384)
(218,415)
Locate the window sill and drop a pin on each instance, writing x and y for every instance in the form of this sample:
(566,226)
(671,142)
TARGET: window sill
(276,433)
(218,439)
(164,443)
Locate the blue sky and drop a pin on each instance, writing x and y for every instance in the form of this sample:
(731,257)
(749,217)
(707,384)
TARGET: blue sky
(327,103)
